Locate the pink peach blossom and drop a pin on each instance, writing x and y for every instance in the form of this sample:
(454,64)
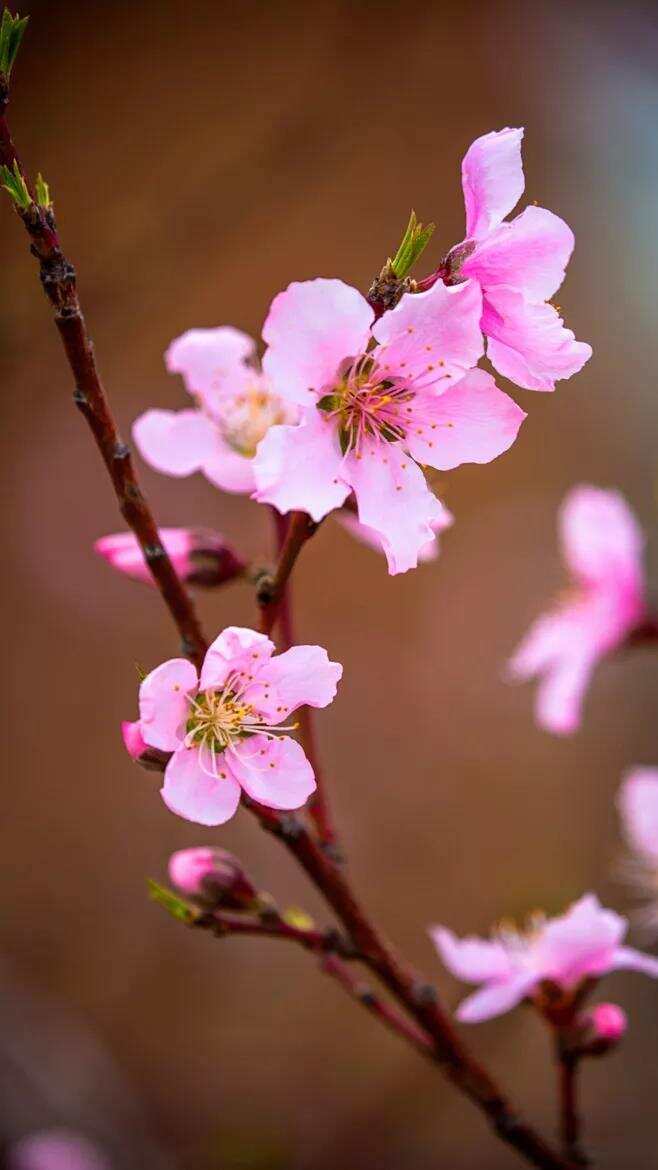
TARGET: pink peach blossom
(602,545)
(199,555)
(224,728)
(637,802)
(234,407)
(519,265)
(378,402)
(55,1149)
(585,942)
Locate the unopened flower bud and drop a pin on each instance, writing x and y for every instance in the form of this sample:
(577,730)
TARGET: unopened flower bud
(199,555)
(148,757)
(601,1028)
(212,877)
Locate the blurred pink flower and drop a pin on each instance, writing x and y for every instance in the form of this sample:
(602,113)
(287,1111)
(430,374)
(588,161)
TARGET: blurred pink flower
(372,417)
(638,807)
(222,728)
(519,265)
(234,408)
(55,1149)
(602,545)
(584,942)
(199,556)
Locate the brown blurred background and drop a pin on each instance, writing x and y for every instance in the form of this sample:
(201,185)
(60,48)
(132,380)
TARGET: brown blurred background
(201,155)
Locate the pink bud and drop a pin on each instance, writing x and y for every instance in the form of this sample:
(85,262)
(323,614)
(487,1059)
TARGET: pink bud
(199,555)
(139,751)
(600,1029)
(212,877)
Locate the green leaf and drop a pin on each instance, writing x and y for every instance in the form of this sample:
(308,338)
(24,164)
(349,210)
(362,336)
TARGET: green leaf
(413,244)
(43,192)
(177,907)
(12,30)
(11,178)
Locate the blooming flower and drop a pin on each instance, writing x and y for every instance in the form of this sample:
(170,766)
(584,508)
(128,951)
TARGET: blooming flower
(586,942)
(378,401)
(234,407)
(55,1149)
(638,807)
(199,556)
(519,265)
(225,729)
(602,545)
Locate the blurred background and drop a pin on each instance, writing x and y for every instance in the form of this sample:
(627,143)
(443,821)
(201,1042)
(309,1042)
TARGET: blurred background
(200,157)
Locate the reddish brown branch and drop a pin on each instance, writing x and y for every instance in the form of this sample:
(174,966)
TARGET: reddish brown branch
(568,1065)
(59,283)
(271,590)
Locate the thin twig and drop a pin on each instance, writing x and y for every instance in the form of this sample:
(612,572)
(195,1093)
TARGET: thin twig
(318,806)
(568,1065)
(271,590)
(59,283)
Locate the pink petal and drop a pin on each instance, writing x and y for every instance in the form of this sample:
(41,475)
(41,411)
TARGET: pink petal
(236,651)
(530,254)
(528,343)
(212,361)
(163,703)
(301,467)
(579,943)
(273,770)
(496,998)
(311,328)
(560,695)
(133,740)
(302,675)
(369,536)
(602,541)
(474,960)
(191,792)
(492,180)
(228,469)
(472,422)
(394,499)
(638,805)
(628,959)
(175,442)
(433,336)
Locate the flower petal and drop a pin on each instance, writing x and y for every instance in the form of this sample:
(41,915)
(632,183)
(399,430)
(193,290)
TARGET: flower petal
(495,998)
(301,467)
(433,336)
(123,552)
(637,802)
(133,741)
(475,960)
(273,770)
(190,791)
(628,959)
(228,469)
(212,361)
(530,254)
(311,328)
(302,675)
(472,422)
(580,942)
(602,541)
(492,180)
(175,442)
(528,343)
(163,703)
(561,692)
(369,536)
(394,499)
(236,651)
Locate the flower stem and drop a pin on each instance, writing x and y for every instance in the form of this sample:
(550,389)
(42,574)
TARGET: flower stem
(568,1066)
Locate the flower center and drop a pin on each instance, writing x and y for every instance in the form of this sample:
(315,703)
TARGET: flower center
(216,720)
(244,419)
(520,944)
(367,403)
